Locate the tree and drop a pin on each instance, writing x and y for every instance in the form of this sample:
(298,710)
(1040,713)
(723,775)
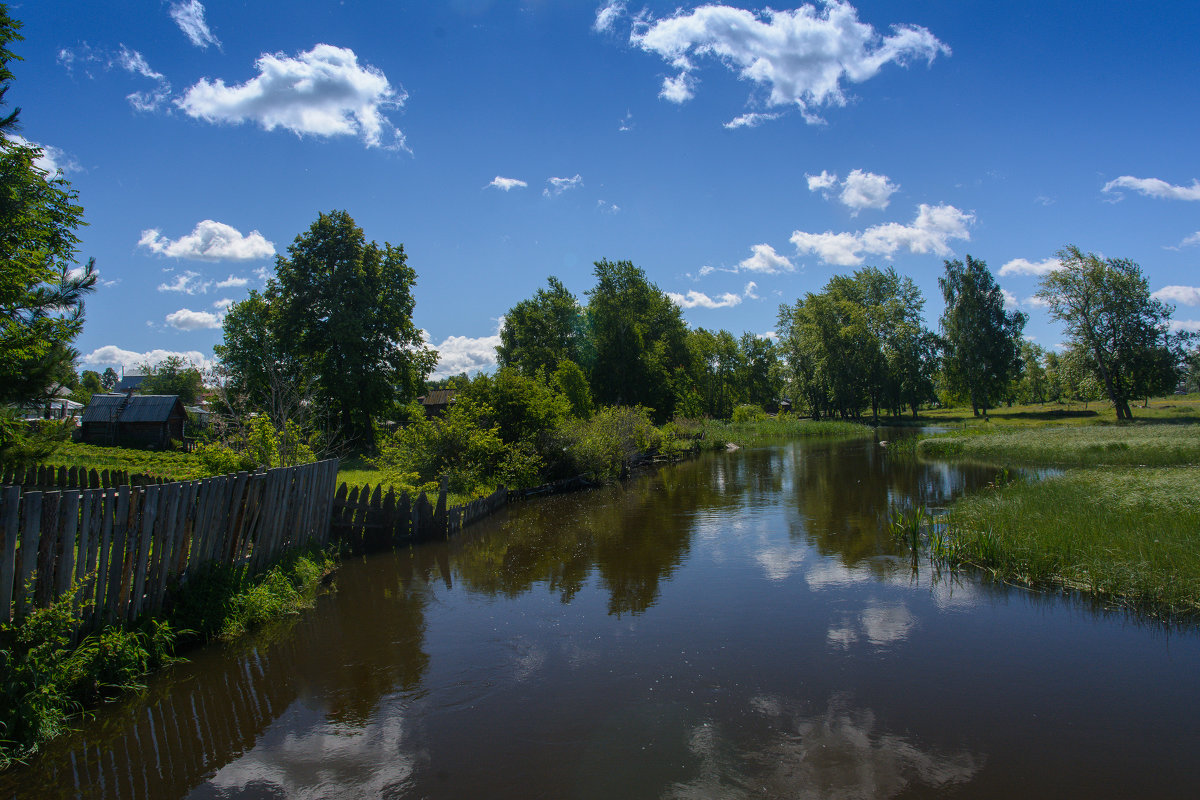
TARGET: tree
(250,354)
(540,332)
(109,379)
(173,375)
(41,287)
(636,340)
(982,353)
(342,308)
(1120,331)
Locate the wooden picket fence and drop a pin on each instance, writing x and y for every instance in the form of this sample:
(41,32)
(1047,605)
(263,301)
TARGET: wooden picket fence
(122,548)
(369,521)
(47,479)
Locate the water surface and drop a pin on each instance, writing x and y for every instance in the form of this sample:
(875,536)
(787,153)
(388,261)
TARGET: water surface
(737,626)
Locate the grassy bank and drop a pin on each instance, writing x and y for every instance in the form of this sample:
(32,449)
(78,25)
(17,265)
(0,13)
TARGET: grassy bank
(1175,408)
(1134,444)
(46,678)
(1124,534)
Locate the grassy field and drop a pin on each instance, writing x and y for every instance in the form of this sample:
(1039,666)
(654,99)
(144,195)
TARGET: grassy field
(1124,534)
(1134,444)
(775,428)
(176,466)
(1176,408)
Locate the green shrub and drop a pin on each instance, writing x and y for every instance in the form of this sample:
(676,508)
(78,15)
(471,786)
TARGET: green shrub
(748,413)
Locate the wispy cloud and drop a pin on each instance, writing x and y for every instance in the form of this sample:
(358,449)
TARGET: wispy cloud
(189,16)
(323,91)
(1023,266)
(694,299)
(929,232)
(1153,187)
(607,15)
(186,282)
(800,57)
(556,186)
(209,241)
(233,282)
(507,184)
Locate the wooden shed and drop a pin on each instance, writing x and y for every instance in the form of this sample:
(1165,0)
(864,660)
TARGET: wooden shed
(437,402)
(149,420)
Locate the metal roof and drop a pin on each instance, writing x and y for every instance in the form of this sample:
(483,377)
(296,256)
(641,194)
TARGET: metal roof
(129,382)
(139,408)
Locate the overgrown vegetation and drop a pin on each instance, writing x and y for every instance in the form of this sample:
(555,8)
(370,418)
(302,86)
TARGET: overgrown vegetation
(171,465)
(46,677)
(1121,534)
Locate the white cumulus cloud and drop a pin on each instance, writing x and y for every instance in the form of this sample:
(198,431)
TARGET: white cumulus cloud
(187,320)
(1183,295)
(694,299)
(323,92)
(507,184)
(800,57)
(110,355)
(929,232)
(1187,325)
(764,259)
(860,189)
(458,354)
(209,241)
(189,16)
(1010,300)
(556,186)
(1154,187)
(1023,266)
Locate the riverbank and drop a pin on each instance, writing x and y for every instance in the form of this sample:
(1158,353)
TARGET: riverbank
(1120,524)
(47,679)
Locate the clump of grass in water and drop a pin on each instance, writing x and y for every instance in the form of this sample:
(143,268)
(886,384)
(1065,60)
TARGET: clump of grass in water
(1124,535)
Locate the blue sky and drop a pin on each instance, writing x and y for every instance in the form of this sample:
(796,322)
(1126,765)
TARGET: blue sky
(741,156)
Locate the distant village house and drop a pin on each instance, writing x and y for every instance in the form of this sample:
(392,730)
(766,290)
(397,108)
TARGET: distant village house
(148,420)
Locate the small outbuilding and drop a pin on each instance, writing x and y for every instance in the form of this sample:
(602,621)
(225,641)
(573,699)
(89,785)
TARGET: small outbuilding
(148,420)
(437,402)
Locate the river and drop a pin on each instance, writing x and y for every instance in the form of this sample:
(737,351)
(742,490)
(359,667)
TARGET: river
(741,625)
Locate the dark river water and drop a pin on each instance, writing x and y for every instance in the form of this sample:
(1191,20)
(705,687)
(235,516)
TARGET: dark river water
(738,626)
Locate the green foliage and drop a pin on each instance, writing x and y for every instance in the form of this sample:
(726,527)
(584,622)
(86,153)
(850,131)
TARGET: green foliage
(1119,333)
(540,333)
(463,445)
(982,342)
(747,413)
(41,290)
(164,464)
(570,382)
(337,316)
(23,444)
(258,444)
(636,338)
(45,678)
(522,408)
(173,375)
(604,446)
(859,344)
(221,603)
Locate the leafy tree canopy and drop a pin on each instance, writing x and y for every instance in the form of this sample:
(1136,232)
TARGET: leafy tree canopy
(1117,329)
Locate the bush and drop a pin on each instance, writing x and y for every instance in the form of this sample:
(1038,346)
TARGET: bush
(748,413)
(464,445)
(604,446)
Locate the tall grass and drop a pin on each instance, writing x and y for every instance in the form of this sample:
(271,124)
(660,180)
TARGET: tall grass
(1121,534)
(1145,444)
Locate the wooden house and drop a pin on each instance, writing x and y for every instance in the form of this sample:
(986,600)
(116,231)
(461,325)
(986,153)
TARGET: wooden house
(436,402)
(149,420)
